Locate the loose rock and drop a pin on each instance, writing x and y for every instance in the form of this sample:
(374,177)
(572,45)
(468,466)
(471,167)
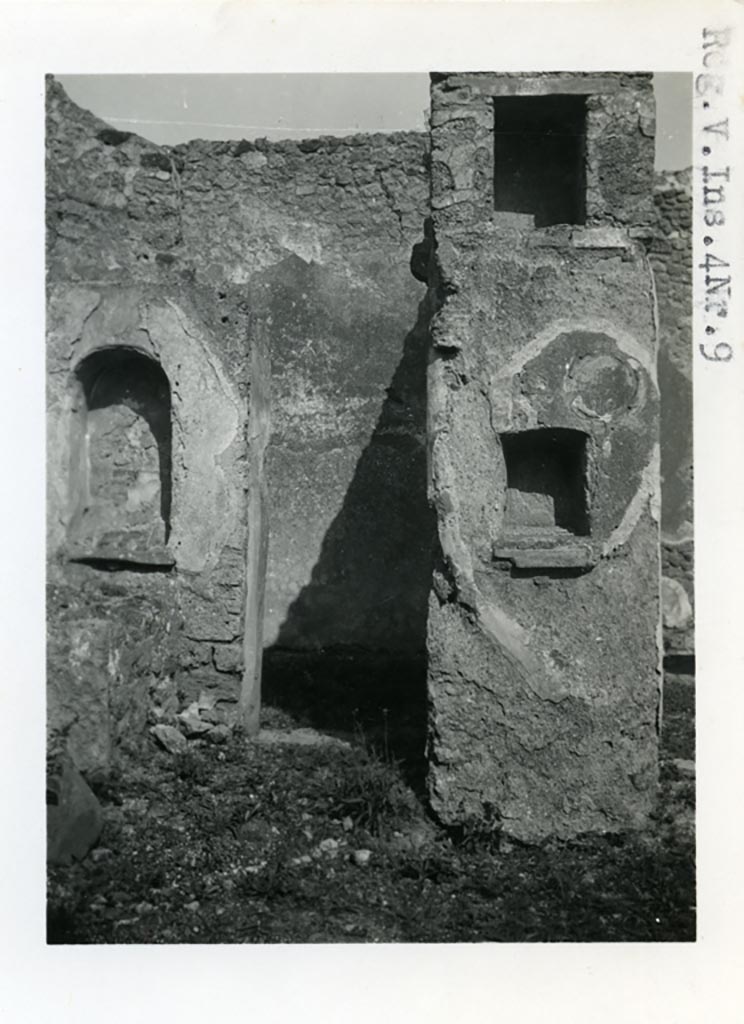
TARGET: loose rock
(219,734)
(328,847)
(74,817)
(303,737)
(169,738)
(191,723)
(675,603)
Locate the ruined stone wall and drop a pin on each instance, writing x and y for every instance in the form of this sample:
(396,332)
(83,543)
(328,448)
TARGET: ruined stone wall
(618,186)
(670,254)
(319,234)
(299,249)
(544,620)
(156,432)
(208,255)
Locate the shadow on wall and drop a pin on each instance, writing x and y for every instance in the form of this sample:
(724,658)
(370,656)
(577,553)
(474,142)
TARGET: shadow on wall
(676,444)
(370,584)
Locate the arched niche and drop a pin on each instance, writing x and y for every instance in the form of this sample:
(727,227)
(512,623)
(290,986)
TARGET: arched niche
(121,480)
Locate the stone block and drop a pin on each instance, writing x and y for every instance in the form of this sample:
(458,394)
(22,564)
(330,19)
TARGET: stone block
(228,657)
(677,611)
(74,816)
(170,738)
(191,722)
(80,685)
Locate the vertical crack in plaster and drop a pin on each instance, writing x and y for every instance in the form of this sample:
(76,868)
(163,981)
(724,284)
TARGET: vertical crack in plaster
(95,299)
(654,370)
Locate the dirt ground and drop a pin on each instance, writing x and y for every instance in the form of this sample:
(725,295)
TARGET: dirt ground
(285,840)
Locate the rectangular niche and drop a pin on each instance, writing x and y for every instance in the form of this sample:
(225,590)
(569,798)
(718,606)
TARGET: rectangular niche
(546,483)
(539,157)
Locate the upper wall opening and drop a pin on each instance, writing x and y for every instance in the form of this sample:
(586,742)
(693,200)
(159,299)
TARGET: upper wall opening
(539,149)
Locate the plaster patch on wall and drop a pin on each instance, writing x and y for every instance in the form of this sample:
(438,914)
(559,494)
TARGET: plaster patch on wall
(68,312)
(508,634)
(207,417)
(312,414)
(626,342)
(648,492)
(502,630)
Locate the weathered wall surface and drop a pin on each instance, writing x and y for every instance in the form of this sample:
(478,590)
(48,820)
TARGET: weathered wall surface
(112,665)
(670,254)
(618,164)
(319,235)
(544,668)
(150,449)
(305,249)
(210,254)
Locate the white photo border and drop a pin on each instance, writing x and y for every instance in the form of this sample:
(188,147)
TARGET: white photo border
(672,983)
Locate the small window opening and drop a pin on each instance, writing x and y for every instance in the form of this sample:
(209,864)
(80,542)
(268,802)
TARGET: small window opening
(124,482)
(539,168)
(546,481)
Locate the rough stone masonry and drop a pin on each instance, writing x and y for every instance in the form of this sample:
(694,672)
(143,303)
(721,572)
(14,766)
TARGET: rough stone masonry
(157,422)
(174,272)
(544,619)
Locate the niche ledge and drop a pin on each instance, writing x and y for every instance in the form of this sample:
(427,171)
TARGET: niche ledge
(548,550)
(117,548)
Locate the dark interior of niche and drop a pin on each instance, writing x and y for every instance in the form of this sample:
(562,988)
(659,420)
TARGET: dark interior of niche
(547,481)
(121,376)
(539,157)
(124,565)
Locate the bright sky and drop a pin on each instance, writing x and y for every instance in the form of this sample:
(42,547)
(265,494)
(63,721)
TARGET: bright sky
(170,109)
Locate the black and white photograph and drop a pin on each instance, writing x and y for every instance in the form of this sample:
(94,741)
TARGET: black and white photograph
(370,484)
(373,389)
